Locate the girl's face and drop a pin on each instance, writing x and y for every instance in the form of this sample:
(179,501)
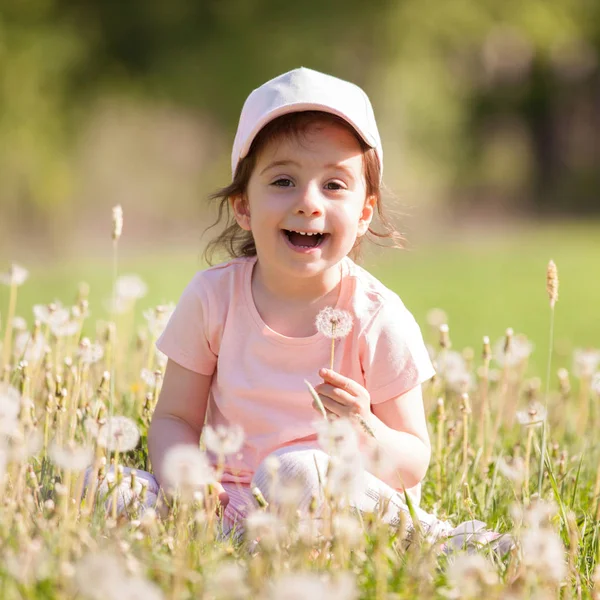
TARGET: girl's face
(314,184)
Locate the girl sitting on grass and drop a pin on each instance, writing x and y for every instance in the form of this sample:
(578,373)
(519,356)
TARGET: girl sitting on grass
(307,169)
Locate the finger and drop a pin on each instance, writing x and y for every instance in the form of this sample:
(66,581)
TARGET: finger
(335,408)
(337,394)
(328,412)
(339,381)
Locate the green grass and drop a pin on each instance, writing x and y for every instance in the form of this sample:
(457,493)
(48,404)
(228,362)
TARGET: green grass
(485,282)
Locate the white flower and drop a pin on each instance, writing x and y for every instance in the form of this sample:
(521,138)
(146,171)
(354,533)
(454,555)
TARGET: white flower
(223,440)
(23,446)
(228,582)
(345,476)
(265,526)
(16,275)
(452,367)
(334,322)
(520,348)
(534,415)
(71,457)
(51,314)
(138,588)
(30,349)
(148,377)
(585,362)
(543,552)
(337,437)
(469,575)
(89,353)
(19,323)
(596,383)
(514,469)
(131,287)
(10,405)
(118,433)
(186,468)
(100,576)
(158,318)
(66,329)
(538,514)
(347,530)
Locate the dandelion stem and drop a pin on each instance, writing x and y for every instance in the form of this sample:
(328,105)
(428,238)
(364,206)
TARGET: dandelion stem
(12,304)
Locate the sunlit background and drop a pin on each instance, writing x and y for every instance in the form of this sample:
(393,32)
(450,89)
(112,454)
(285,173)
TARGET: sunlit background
(489,114)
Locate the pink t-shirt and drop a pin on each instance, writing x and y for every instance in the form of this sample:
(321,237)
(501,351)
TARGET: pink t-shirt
(259,374)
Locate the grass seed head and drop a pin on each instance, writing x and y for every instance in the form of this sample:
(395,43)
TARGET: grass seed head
(552,283)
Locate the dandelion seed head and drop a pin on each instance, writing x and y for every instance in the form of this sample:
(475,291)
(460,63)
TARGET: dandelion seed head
(118,434)
(89,353)
(337,437)
(228,582)
(53,314)
(99,576)
(347,530)
(222,440)
(71,457)
(30,347)
(334,322)
(131,287)
(16,275)
(436,317)
(585,362)
(513,469)
(596,383)
(265,526)
(117,222)
(544,553)
(186,468)
(158,318)
(469,575)
(138,588)
(519,349)
(19,323)
(534,415)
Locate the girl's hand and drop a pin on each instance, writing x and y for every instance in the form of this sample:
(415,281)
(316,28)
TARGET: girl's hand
(342,396)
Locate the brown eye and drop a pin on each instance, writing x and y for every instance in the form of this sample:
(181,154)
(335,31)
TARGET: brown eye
(277,183)
(334,183)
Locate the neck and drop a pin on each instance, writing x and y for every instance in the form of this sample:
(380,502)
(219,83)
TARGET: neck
(294,290)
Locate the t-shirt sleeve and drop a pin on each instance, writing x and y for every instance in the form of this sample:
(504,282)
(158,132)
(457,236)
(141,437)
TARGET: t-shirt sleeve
(187,336)
(395,358)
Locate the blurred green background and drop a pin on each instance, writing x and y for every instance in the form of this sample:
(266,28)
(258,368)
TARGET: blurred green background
(489,114)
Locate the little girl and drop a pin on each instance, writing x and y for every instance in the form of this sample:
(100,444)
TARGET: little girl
(307,167)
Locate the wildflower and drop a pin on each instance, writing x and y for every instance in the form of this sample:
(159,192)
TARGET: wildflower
(66,329)
(158,318)
(436,317)
(347,530)
(514,469)
(10,405)
(596,383)
(186,468)
(117,219)
(534,415)
(337,437)
(118,433)
(71,457)
(585,362)
(452,367)
(334,322)
(298,586)
(30,348)
(265,526)
(519,349)
(469,575)
(223,440)
(51,314)
(227,582)
(100,576)
(148,377)
(552,283)
(130,287)
(89,353)
(19,324)
(16,275)
(544,553)
(345,476)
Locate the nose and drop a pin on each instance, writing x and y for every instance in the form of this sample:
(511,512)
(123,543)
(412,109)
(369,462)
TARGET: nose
(309,202)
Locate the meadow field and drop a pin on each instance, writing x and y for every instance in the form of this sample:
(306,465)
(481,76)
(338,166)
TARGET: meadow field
(77,392)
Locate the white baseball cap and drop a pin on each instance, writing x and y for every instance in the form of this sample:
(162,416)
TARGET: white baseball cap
(299,90)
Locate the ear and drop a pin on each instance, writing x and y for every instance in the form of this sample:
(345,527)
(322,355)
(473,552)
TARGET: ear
(241,211)
(366,215)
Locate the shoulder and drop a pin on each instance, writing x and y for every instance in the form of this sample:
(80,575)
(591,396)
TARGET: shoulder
(371,298)
(220,277)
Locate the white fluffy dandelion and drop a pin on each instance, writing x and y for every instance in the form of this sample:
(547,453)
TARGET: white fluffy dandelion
(585,362)
(534,415)
(470,575)
(186,468)
(100,576)
(520,349)
(131,287)
(71,457)
(90,353)
(334,322)
(158,318)
(266,527)
(29,348)
(53,314)
(544,553)
(119,434)
(513,469)
(10,405)
(16,275)
(222,440)
(337,437)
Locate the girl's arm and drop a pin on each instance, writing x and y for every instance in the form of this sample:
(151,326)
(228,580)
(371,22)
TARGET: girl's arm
(400,427)
(179,414)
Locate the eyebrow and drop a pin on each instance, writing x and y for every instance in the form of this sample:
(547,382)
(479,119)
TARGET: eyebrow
(282,163)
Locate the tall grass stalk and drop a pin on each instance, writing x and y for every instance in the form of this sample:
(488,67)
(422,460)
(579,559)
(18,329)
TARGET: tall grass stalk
(552,290)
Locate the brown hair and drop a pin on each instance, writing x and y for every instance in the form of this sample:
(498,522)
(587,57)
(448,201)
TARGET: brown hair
(239,242)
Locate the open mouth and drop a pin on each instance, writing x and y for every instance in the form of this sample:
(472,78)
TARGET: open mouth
(305,240)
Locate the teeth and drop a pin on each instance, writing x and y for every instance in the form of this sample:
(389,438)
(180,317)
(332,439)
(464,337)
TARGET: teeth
(304,233)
